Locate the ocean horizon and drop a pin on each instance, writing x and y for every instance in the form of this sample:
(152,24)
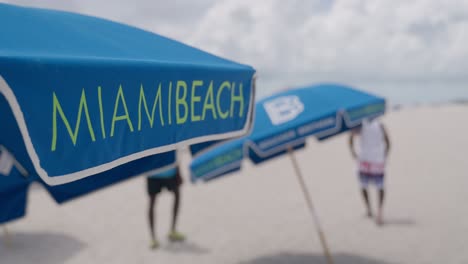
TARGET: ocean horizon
(416,94)
(399,94)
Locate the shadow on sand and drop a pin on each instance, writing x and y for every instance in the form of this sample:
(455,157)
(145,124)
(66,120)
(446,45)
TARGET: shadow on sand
(38,248)
(299,258)
(185,247)
(399,222)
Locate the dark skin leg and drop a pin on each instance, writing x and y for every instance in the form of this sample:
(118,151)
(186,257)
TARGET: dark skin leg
(151,216)
(175,209)
(381,200)
(365,195)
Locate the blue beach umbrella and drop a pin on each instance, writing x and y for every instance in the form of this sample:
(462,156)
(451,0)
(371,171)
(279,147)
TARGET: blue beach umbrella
(86,102)
(13,193)
(282,123)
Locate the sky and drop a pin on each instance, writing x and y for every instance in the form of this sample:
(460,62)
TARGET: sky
(377,45)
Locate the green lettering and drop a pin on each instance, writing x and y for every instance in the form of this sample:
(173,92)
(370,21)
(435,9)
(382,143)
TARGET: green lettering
(209,105)
(120,97)
(181,101)
(157,100)
(169,110)
(101,113)
(222,114)
(194,99)
(237,98)
(73,134)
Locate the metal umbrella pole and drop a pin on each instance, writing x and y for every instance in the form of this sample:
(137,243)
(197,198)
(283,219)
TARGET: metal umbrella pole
(305,191)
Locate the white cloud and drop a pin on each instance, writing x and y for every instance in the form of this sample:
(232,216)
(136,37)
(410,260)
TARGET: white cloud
(350,40)
(304,41)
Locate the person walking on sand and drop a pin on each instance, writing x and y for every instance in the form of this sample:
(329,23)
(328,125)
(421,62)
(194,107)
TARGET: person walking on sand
(371,157)
(170,180)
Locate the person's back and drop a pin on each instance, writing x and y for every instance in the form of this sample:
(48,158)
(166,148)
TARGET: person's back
(371,156)
(372,151)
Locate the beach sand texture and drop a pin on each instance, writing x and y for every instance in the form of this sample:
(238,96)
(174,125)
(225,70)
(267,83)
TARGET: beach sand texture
(259,216)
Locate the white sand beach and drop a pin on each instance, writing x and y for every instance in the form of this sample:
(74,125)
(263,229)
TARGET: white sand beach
(259,216)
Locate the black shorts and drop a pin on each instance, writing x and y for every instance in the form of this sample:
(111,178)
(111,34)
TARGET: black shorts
(155,185)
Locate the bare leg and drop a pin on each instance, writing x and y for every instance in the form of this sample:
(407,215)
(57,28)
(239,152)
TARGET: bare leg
(151,217)
(175,236)
(381,200)
(175,209)
(365,195)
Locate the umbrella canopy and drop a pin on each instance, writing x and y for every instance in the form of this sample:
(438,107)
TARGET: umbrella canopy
(285,120)
(89,94)
(282,123)
(86,102)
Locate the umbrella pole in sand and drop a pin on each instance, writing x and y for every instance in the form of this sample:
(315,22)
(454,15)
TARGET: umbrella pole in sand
(305,191)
